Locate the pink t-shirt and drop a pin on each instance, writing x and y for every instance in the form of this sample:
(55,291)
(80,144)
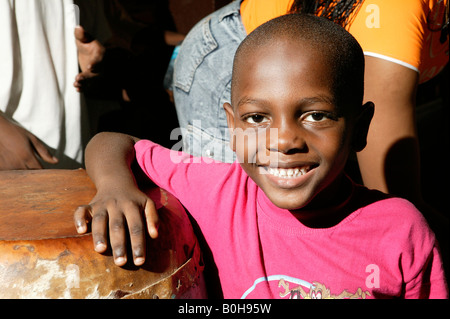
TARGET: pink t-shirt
(383,249)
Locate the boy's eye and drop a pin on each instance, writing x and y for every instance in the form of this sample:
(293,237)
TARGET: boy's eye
(315,117)
(256,119)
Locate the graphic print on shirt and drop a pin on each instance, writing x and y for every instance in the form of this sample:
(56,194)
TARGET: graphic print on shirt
(318,291)
(287,287)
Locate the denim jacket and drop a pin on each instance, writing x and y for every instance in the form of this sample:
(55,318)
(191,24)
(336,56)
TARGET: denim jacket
(202,82)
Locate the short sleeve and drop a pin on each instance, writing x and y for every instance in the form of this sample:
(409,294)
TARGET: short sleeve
(391,30)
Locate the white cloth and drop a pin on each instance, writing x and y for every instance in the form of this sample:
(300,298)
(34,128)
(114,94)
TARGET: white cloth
(38,65)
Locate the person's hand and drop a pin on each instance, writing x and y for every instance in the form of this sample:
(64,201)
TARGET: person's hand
(19,149)
(116,209)
(90,56)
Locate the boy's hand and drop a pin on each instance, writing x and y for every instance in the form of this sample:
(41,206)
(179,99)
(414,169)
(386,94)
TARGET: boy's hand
(117,209)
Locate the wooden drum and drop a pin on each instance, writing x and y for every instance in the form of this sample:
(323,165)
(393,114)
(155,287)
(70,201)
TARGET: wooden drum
(42,256)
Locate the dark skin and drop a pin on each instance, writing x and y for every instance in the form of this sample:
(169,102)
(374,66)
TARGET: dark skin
(21,149)
(311,133)
(118,199)
(90,55)
(277,89)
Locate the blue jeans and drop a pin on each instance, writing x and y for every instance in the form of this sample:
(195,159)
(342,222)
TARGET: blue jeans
(202,82)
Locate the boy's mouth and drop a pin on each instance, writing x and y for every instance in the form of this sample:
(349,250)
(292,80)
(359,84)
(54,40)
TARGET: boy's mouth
(289,173)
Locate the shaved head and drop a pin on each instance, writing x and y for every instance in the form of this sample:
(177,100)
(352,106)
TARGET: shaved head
(325,39)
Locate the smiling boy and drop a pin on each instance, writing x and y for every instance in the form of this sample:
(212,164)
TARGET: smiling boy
(286,84)
(283,220)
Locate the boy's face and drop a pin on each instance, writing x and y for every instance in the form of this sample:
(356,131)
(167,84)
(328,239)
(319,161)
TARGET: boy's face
(284,91)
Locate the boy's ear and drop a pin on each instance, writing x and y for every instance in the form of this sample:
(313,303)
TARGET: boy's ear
(362,126)
(230,121)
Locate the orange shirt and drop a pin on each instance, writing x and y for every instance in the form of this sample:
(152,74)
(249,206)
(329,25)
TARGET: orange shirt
(256,12)
(393,30)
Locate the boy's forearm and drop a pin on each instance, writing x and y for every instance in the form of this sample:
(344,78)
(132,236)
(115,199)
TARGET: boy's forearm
(119,207)
(109,157)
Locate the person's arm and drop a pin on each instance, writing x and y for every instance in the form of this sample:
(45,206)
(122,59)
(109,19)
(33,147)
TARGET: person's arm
(390,161)
(19,149)
(118,203)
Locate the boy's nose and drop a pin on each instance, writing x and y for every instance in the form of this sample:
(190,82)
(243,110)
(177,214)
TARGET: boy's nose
(287,138)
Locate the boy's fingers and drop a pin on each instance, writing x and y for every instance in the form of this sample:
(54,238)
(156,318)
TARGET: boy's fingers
(151,218)
(120,226)
(81,218)
(137,235)
(117,237)
(99,230)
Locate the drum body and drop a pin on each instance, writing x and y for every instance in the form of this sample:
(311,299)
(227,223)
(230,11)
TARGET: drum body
(42,256)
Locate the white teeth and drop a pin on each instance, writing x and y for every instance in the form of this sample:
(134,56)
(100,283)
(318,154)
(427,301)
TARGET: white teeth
(287,173)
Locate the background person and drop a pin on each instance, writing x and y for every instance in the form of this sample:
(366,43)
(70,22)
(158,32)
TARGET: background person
(43,120)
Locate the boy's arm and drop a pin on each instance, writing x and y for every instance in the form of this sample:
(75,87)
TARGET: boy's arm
(118,202)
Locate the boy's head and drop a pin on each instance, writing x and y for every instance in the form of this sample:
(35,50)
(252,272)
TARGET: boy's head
(339,50)
(297,112)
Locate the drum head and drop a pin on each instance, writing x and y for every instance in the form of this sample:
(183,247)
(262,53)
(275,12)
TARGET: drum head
(42,255)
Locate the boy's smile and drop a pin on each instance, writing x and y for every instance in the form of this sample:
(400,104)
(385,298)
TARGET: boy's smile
(288,134)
